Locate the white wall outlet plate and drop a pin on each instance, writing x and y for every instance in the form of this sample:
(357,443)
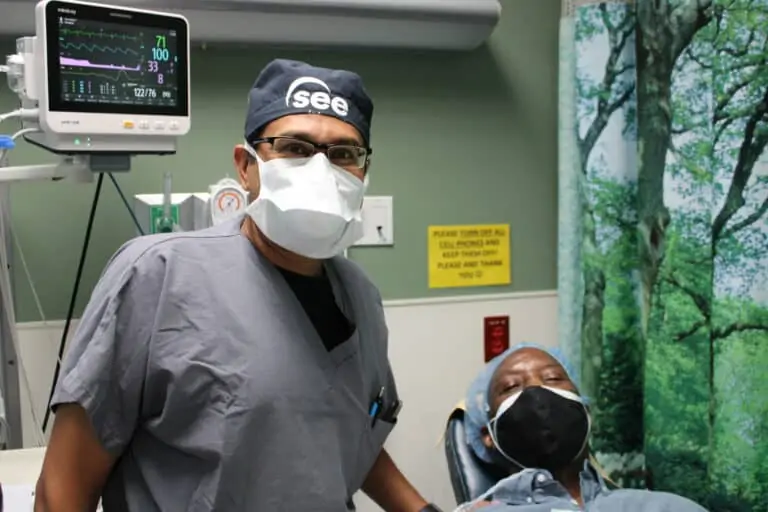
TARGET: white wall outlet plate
(377,221)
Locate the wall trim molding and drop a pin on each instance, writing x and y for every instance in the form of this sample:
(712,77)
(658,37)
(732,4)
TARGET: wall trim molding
(394,303)
(44,325)
(457,299)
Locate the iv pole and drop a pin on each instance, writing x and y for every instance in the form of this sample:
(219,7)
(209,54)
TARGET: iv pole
(10,395)
(76,167)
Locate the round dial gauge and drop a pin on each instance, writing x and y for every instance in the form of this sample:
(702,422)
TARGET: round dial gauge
(226,202)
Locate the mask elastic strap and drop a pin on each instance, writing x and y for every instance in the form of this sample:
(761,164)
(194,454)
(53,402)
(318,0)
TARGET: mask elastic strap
(589,432)
(503,408)
(576,398)
(492,432)
(570,395)
(251,151)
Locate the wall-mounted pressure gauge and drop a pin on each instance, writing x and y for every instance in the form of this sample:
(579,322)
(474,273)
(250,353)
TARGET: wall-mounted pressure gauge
(228,199)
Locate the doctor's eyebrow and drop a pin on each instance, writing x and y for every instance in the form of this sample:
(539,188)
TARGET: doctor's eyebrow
(309,138)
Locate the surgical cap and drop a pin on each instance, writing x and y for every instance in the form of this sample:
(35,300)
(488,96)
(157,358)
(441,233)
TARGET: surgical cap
(477,405)
(287,87)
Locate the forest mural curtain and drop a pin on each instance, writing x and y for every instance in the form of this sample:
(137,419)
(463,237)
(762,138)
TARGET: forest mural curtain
(663,244)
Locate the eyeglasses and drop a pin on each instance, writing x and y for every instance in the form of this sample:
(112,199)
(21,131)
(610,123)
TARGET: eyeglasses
(343,155)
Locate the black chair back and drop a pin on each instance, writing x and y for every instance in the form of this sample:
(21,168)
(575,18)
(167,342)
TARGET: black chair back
(470,476)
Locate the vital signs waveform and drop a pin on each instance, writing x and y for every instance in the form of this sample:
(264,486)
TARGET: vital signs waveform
(66,61)
(121,77)
(97,47)
(100,34)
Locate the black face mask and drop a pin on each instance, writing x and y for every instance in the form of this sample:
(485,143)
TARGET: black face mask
(544,428)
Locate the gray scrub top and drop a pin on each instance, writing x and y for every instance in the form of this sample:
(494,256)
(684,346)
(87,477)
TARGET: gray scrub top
(536,491)
(199,368)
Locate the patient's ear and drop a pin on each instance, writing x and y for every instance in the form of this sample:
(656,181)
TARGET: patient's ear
(487,439)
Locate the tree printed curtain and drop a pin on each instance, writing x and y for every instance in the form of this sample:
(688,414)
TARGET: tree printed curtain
(663,244)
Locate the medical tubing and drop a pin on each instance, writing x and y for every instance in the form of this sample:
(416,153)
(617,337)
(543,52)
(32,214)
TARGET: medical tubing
(25,114)
(4,152)
(127,205)
(73,298)
(10,115)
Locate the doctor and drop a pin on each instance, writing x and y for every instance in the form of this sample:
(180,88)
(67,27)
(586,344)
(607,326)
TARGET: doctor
(242,367)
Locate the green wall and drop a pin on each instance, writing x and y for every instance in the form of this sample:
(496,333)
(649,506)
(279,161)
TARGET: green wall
(458,137)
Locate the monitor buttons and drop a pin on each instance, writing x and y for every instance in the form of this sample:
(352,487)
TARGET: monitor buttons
(174,125)
(128,125)
(144,125)
(159,125)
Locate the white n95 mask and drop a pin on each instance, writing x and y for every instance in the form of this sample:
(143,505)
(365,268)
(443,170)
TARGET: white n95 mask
(308,205)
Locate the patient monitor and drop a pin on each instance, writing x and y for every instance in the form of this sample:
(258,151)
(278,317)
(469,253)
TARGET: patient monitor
(105,79)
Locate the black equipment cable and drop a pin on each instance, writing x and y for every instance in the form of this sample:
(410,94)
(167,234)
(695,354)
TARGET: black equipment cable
(78,277)
(73,298)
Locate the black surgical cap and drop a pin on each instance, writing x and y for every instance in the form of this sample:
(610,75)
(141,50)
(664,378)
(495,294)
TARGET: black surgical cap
(287,87)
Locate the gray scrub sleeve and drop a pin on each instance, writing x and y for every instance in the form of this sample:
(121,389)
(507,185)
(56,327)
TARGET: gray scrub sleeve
(106,360)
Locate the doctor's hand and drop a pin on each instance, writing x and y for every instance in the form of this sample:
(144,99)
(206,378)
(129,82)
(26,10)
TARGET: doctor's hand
(484,504)
(389,488)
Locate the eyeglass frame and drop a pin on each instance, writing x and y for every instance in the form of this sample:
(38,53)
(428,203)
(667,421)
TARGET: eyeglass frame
(319,148)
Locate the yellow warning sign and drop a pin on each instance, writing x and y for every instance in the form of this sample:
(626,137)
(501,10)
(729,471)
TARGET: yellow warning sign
(469,256)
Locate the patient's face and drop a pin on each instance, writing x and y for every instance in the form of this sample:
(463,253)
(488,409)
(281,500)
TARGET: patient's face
(524,368)
(521,369)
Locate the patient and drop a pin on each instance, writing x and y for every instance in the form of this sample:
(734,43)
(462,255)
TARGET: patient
(524,413)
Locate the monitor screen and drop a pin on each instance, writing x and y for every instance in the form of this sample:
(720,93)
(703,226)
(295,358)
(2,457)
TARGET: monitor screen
(106,60)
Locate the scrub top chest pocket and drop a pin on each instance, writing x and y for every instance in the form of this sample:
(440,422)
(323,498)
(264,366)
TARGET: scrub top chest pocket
(382,414)
(384,408)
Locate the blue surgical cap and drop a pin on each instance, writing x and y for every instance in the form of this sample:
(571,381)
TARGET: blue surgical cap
(477,406)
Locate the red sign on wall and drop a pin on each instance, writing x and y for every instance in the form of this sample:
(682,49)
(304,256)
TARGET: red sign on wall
(496,336)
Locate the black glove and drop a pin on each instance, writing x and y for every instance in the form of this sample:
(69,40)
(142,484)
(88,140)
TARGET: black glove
(431,508)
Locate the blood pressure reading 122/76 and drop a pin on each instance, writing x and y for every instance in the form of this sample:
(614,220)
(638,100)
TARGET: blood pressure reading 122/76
(117,64)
